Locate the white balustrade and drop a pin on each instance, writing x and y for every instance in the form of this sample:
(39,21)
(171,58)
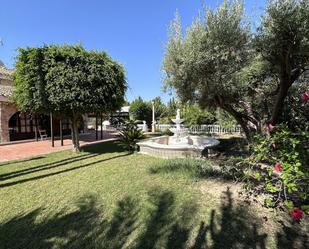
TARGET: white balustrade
(212,129)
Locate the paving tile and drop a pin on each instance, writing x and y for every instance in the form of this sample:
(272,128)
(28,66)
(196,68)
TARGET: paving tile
(17,151)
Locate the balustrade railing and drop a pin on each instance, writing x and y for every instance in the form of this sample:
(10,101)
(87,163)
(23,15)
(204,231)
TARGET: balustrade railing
(203,128)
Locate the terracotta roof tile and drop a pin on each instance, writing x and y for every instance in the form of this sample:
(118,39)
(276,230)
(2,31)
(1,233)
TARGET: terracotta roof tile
(5,73)
(6,91)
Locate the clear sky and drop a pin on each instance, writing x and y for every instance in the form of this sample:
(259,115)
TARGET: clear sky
(133,32)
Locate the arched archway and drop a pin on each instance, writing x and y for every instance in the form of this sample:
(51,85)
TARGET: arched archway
(6,111)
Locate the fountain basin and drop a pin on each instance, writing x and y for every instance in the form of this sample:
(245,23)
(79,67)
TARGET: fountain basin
(172,147)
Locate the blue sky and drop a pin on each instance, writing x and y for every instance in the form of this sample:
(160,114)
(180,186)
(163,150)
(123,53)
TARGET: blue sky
(133,32)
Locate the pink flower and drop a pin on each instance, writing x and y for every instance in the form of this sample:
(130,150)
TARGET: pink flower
(297,214)
(278,168)
(305,98)
(270,127)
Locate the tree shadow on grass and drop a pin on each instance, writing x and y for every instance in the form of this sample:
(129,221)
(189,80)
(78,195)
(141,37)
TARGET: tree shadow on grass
(61,171)
(293,236)
(22,161)
(64,165)
(193,168)
(235,227)
(86,227)
(104,147)
(43,167)
(26,231)
(234,146)
(161,223)
(121,226)
(91,150)
(167,226)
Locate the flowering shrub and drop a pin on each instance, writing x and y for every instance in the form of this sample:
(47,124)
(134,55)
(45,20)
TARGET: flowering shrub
(279,166)
(297,214)
(305,98)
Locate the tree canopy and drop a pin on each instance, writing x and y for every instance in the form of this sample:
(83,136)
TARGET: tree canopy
(204,64)
(283,41)
(68,81)
(141,110)
(219,62)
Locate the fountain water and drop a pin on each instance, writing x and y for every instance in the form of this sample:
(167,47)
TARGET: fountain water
(181,144)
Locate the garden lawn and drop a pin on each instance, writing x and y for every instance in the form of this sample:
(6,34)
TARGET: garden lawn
(104,197)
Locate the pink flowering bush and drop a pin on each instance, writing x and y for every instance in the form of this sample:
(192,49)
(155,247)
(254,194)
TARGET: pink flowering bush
(296,108)
(305,98)
(297,214)
(279,166)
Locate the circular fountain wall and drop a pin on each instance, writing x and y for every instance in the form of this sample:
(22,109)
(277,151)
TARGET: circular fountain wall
(179,145)
(175,147)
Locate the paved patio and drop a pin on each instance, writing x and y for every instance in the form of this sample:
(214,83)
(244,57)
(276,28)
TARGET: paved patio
(24,150)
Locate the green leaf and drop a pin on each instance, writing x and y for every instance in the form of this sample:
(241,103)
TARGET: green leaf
(289,204)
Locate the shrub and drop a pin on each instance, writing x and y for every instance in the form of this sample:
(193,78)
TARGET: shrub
(165,120)
(225,120)
(279,166)
(130,135)
(168,132)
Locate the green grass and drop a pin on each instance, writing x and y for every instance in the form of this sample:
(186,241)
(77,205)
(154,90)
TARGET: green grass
(104,197)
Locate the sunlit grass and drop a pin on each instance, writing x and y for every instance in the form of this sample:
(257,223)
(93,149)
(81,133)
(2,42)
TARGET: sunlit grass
(105,197)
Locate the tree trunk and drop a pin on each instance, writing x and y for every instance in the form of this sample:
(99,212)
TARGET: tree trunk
(285,83)
(287,78)
(75,135)
(241,121)
(244,125)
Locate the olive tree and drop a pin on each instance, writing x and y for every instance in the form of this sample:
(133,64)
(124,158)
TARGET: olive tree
(220,63)
(68,81)
(205,64)
(283,41)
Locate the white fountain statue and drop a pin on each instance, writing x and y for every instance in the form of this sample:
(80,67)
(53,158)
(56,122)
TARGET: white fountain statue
(179,133)
(177,121)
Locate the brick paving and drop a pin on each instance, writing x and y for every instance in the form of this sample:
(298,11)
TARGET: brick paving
(24,150)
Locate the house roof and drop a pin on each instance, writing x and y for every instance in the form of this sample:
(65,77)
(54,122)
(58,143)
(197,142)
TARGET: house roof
(5,73)
(6,87)
(6,91)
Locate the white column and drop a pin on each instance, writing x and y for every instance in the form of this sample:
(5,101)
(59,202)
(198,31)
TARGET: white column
(153,128)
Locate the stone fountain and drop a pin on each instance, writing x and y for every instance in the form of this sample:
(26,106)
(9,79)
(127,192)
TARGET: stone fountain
(180,133)
(181,144)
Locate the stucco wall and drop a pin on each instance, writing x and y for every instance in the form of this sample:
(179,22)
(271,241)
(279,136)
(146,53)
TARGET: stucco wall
(6,112)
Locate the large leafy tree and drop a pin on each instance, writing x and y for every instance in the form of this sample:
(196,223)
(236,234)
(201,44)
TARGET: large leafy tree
(68,81)
(141,110)
(219,63)
(283,41)
(194,115)
(204,65)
